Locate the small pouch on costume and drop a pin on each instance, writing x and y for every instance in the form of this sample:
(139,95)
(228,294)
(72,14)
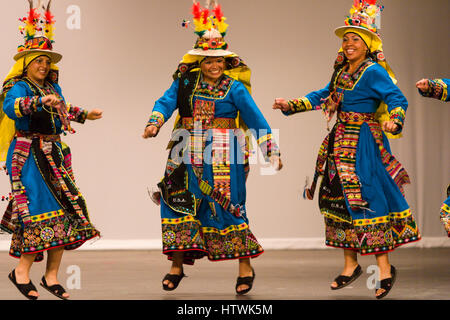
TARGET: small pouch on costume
(175,193)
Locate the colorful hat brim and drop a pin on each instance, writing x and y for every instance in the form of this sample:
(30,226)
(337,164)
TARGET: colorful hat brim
(210,53)
(56,57)
(341,31)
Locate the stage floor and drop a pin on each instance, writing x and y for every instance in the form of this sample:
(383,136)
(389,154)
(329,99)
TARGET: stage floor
(280,275)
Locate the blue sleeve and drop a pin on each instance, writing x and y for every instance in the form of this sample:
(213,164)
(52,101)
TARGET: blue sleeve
(315,97)
(385,89)
(312,101)
(254,119)
(165,106)
(250,113)
(14,105)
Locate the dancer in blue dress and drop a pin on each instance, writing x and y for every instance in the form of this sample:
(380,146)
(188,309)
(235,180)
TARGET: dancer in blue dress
(361,193)
(203,193)
(46,210)
(438,89)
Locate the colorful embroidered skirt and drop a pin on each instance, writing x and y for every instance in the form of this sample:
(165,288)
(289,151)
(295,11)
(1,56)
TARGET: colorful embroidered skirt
(361,194)
(195,213)
(47,210)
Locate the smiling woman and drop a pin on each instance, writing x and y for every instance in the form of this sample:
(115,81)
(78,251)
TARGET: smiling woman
(203,207)
(39,69)
(212,69)
(361,192)
(47,212)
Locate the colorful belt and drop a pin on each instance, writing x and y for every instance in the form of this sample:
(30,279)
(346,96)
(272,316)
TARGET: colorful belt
(355,116)
(44,137)
(216,123)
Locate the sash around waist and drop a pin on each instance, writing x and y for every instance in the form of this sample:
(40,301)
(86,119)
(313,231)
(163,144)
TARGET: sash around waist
(216,123)
(355,116)
(34,135)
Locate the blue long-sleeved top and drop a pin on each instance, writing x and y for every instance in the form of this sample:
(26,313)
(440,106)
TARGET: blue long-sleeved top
(372,86)
(21,102)
(236,98)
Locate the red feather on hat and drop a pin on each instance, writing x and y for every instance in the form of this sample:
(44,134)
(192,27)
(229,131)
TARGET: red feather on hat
(205,13)
(197,10)
(218,13)
(33,16)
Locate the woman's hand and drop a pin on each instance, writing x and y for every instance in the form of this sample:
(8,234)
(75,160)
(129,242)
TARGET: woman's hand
(423,85)
(51,101)
(331,105)
(150,132)
(275,161)
(94,114)
(390,126)
(282,104)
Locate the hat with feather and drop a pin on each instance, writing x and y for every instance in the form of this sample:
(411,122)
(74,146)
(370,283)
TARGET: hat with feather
(38,32)
(211,28)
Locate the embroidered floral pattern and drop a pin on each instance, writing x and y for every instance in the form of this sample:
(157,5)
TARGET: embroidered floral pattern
(397,115)
(188,236)
(219,91)
(156,119)
(347,81)
(47,234)
(372,237)
(26,105)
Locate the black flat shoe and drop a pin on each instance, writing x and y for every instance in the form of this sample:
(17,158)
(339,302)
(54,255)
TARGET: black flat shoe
(387,284)
(343,281)
(55,289)
(24,289)
(247,281)
(174,279)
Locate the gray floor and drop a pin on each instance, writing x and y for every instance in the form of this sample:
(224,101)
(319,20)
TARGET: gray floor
(280,275)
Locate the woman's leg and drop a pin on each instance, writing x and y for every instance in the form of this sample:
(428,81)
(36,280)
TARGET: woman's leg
(177,267)
(53,264)
(23,270)
(384,269)
(350,264)
(245,270)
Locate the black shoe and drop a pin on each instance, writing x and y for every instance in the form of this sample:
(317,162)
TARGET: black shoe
(24,289)
(247,281)
(55,289)
(387,283)
(343,281)
(174,278)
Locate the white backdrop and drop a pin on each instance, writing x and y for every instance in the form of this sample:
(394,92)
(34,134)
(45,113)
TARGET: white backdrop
(122,58)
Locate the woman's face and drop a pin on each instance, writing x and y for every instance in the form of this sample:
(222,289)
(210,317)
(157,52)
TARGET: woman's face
(212,68)
(354,47)
(39,68)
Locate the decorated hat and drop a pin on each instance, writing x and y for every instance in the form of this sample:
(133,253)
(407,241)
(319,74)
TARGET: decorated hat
(35,42)
(210,27)
(365,17)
